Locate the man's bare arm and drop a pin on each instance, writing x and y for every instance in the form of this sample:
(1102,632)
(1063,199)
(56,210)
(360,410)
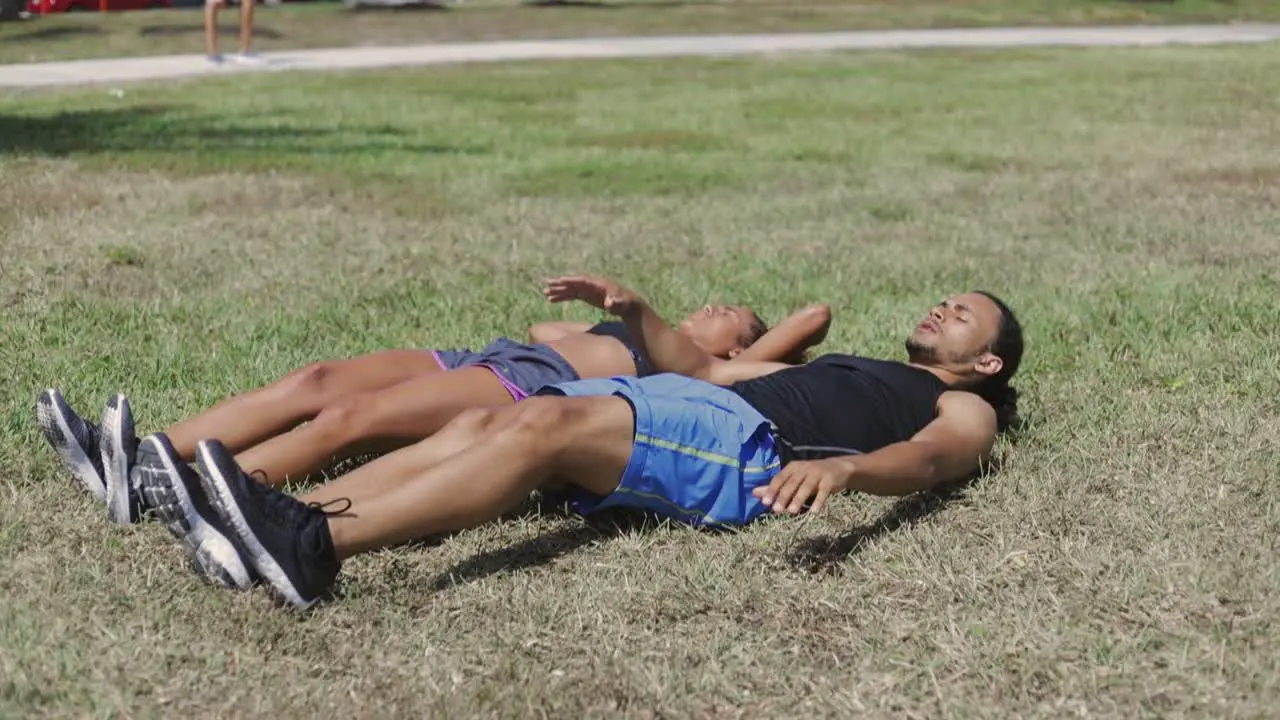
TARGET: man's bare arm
(951,448)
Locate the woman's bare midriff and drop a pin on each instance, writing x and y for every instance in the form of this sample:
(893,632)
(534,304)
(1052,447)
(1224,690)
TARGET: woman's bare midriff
(595,356)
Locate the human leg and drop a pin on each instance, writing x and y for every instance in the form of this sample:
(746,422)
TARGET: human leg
(699,451)
(375,422)
(76,441)
(298,548)
(244,420)
(97,455)
(583,441)
(211,8)
(174,489)
(389,471)
(672,445)
(101,456)
(246,25)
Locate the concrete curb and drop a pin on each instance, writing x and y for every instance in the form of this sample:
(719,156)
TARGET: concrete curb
(126,70)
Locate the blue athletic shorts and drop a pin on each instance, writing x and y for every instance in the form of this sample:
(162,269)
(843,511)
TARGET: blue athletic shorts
(522,368)
(699,450)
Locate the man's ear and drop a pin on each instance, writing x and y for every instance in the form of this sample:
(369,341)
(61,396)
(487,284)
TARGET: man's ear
(988,364)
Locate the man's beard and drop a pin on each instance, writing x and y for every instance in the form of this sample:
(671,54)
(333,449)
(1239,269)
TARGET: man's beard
(921,353)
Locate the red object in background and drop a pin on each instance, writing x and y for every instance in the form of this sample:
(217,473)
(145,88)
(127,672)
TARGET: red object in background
(44,7)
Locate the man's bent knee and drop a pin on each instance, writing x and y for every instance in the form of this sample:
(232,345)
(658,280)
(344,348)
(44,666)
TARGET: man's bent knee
(561,422)
(589,438)
(539,412)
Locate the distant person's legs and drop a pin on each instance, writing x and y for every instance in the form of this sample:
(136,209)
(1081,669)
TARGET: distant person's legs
(211,8)
(246,26)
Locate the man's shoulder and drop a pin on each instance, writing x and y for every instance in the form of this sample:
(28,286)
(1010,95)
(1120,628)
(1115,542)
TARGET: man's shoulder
(964,405)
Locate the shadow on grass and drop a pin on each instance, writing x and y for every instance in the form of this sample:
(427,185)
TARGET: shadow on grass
(399,6)
(444,6)
(816,554)
(543,549)
(56,32)
(171,30)
(606,5)
(824,552)
(167,129)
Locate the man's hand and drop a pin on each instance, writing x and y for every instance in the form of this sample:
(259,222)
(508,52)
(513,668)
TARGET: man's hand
(596,291)
(804,479)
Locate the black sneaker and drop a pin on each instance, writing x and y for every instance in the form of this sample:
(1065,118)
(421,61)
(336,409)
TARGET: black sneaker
(173,489)
(119,446)
(75,440)
(288,542)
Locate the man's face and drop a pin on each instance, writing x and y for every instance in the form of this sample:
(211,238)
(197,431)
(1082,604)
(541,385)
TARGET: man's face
(957,333)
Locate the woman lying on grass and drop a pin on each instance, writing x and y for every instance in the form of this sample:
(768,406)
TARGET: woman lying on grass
(387,400)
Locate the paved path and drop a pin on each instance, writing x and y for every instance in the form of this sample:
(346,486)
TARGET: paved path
(176,66)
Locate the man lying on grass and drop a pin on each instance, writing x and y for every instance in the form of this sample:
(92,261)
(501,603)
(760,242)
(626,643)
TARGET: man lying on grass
(707,443)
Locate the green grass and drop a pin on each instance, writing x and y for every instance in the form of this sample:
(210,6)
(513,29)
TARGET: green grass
(185,242)
(314,24)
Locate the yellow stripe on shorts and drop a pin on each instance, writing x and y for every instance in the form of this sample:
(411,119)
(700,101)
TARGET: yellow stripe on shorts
(704,454)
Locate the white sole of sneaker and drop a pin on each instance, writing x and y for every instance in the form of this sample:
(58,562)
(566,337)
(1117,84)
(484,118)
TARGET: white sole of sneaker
(52,412)
(218,490)
(117,424)
(212,552)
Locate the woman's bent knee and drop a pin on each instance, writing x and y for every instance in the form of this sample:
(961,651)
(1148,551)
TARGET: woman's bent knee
(308,382)
(472,420)
(352,418)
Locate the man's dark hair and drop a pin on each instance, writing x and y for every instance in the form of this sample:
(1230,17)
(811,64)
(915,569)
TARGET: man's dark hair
(1007,345)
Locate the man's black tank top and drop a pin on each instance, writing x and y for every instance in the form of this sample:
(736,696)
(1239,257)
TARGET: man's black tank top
(618,331)
(843,405)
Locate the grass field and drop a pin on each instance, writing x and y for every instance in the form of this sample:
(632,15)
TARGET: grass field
(308,25)
(185,242)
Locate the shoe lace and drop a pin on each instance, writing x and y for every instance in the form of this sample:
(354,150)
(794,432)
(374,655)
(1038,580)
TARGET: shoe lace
(320,543)
(324,506)
(281,507)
